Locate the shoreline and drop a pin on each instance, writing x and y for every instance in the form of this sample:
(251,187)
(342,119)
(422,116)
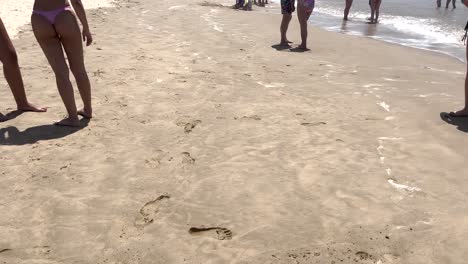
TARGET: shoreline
(210,146)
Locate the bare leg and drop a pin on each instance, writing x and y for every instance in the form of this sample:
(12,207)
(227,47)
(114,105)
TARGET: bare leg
(12,72)
(464,111)
(453,3)
(303,15)
(67,27)
(52,47)
(377,10)
(448,3)
(349,3)
(284,28)
(439,3)
(372,6)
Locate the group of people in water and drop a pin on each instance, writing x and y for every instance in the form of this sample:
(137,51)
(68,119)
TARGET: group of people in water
(57,30)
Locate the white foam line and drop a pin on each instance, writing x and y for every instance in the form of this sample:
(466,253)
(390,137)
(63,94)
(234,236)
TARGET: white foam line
(370,85)
(176,7)
(402,187)
(384,106)
(388,118)
(390,138)
(271,85)
(394,80)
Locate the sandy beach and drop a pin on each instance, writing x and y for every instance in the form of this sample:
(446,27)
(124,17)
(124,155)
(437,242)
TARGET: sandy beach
(210,146)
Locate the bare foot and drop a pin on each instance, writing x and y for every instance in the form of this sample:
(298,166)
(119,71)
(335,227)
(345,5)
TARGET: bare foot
(302,47)
(461,113)
(85,113)
(31,108)
(70,122)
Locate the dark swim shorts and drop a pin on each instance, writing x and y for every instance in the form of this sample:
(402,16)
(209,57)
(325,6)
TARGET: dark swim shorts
(286,8)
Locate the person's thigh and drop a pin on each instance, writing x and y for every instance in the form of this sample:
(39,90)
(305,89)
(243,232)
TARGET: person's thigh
(7,51)
(67,27)
(50,44)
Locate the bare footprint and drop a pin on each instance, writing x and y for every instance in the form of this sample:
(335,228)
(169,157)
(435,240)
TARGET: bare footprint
(219,233)
(149,211)
(187,158)
(307,124)
(189,126)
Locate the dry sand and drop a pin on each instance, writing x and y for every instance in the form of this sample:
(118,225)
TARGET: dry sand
(209,146)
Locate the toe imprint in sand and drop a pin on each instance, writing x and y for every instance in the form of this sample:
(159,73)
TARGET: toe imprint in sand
(149,211)
(188,127)
(187,158)
(313,124)
(219,233)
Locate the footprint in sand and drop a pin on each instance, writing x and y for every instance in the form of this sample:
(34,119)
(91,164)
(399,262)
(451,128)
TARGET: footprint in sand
(307,124)
(219,233)
(149,211)
(189,126)
(187,158)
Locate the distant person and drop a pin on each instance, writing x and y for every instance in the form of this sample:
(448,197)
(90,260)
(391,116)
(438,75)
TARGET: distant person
(12,73)
(448,3)
(287,8)
(375,11)
(349,3)
(464,111)
(57,30)
(304,10)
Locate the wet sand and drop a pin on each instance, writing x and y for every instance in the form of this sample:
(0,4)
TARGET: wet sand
(210,146)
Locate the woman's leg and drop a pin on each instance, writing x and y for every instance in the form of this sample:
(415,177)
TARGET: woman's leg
(377,10)
(50,44)
(67,27)
(303,15)
(349,3)
(464,111)
(372,6)
(12,72)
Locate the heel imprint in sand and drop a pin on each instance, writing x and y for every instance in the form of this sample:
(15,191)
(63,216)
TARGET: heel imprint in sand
(219,233)
(189,126)
(149,211)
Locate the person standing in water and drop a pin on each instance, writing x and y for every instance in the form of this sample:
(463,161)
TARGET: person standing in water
(448,3)
(56,29)
(464,111)
(12,72)
(375,11)
(304,10)
(287,8)
(349,3)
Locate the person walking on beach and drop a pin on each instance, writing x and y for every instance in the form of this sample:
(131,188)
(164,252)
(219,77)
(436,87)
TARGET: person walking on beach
(464,111)
(12,73)
(349,3)
(56,29)
(287,8)
(375,11)
(448,3)
(304,10)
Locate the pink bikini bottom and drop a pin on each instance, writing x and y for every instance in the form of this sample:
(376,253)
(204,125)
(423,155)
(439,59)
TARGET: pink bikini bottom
(52,15)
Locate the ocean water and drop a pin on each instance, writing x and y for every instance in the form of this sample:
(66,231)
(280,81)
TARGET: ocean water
(414,23)
(17,13)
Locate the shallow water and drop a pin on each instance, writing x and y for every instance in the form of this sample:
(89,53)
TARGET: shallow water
(415,23)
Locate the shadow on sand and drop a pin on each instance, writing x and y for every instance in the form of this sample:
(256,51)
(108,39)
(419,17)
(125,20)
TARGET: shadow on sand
(12,136)
(460,122)
(281,47)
